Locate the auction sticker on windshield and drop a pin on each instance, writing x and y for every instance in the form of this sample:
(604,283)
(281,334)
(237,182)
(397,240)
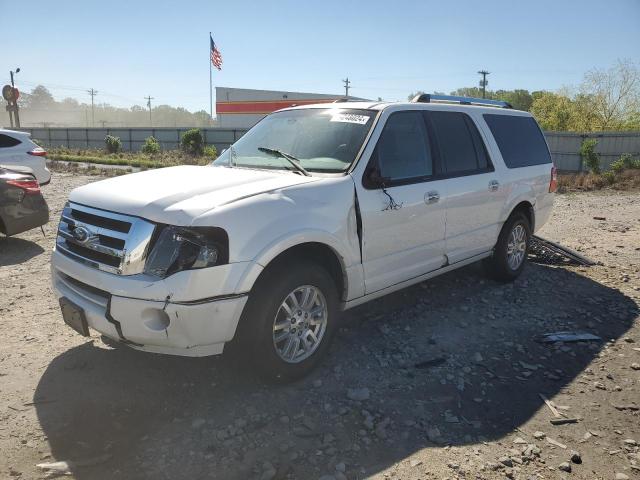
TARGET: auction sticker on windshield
(350,118)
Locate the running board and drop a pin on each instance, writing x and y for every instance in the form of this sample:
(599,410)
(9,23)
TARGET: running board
(413,281)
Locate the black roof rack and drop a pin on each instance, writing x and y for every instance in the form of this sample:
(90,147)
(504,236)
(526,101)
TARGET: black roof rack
(429,98)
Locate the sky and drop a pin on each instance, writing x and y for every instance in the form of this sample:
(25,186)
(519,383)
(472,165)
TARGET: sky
(130,49)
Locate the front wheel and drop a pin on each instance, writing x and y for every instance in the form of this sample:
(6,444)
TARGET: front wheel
(290,320)
(510,253)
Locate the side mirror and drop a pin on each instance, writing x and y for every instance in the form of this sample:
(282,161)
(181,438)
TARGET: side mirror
(373,179)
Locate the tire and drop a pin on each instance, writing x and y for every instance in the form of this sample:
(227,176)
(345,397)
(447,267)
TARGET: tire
(257,340)
(498,266)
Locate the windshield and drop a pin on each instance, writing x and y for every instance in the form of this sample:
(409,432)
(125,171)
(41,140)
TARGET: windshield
(319,140)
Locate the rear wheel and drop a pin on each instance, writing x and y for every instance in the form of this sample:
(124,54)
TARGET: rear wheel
(510,253)
(289,320)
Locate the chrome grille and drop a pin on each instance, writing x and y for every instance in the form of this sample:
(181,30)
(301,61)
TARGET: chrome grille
(108,241)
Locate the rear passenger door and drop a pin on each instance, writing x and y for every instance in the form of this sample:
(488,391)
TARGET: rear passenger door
(474,194)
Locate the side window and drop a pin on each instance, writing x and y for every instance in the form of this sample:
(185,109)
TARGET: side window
(7,141)
(519,139)
(403,149)
(459,143)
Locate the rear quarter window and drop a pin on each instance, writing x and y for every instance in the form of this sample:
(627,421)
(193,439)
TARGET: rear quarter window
(7,141)
(519,139)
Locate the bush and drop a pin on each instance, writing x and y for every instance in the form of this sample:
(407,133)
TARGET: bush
(628,161)
(618,166)
(211,152)
(151,146)
(610,177)
(192,142)
(114,145)
(589,156)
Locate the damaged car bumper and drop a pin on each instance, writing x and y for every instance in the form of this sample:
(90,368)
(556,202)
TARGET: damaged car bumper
(162,316)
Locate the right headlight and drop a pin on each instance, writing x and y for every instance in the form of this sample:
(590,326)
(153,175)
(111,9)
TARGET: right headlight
(187,248)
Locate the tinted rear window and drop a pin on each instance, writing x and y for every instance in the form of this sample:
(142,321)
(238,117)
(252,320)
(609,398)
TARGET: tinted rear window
(519,139)
(7,141)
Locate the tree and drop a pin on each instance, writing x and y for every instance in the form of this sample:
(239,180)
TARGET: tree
(615,93)
(519,99)
(41,98)
(553,111)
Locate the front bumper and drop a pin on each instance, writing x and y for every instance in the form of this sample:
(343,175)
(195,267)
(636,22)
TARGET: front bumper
(170,321)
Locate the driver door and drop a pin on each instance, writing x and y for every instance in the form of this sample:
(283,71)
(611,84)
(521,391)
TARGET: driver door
(403,215)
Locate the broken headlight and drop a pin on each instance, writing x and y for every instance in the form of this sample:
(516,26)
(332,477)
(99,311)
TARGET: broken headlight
(182,248)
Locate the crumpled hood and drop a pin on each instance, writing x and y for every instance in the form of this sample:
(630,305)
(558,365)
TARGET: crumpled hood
(176,195)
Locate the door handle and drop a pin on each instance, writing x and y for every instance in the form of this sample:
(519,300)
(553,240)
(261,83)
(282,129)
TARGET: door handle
(431,197)
(494,185)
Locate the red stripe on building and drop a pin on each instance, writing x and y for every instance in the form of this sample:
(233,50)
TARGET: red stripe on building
(266,106)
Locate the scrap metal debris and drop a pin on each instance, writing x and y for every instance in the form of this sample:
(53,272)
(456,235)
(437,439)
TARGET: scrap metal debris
(563,421)
(550,253)
(568,337)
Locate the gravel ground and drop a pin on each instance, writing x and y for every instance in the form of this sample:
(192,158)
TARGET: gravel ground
(441,380)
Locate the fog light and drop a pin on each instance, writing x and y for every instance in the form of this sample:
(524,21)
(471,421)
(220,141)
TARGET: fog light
(155,320)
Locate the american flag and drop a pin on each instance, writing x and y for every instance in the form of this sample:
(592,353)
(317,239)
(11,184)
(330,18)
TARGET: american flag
(216,56)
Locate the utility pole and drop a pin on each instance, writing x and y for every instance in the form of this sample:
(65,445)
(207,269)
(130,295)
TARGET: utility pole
(93,93)
(148,99)
(484,82)
(346,82)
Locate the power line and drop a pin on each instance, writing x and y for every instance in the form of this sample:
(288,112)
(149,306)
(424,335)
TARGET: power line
(346,82)
(484,82)
(93,93)
(149,98)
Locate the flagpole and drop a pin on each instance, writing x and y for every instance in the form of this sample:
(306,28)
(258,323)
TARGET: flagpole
(210,82)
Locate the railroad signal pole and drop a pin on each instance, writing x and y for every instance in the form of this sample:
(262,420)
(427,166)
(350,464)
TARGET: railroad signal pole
(11,94)
(484,82)
(93,93)
(346,82)
(148,99)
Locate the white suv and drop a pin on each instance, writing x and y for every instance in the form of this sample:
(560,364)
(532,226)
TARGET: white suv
(315,210)
(18,152)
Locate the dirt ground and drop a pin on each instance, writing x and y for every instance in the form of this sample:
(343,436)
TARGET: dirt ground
(441,380)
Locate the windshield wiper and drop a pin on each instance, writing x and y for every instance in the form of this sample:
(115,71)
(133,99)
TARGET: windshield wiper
(290,158)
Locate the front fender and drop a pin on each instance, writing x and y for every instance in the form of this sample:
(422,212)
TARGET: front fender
(292,239)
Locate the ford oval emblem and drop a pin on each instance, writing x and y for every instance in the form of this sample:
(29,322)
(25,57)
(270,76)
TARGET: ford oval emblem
(81,234)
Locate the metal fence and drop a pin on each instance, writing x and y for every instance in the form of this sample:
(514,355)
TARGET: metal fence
(132,138)
(564,146)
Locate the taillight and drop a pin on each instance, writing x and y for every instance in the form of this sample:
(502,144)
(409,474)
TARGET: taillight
(553,184)
(38,152)
(29,186)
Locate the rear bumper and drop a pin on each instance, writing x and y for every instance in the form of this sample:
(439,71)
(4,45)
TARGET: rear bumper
(176,327)
(32,212)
